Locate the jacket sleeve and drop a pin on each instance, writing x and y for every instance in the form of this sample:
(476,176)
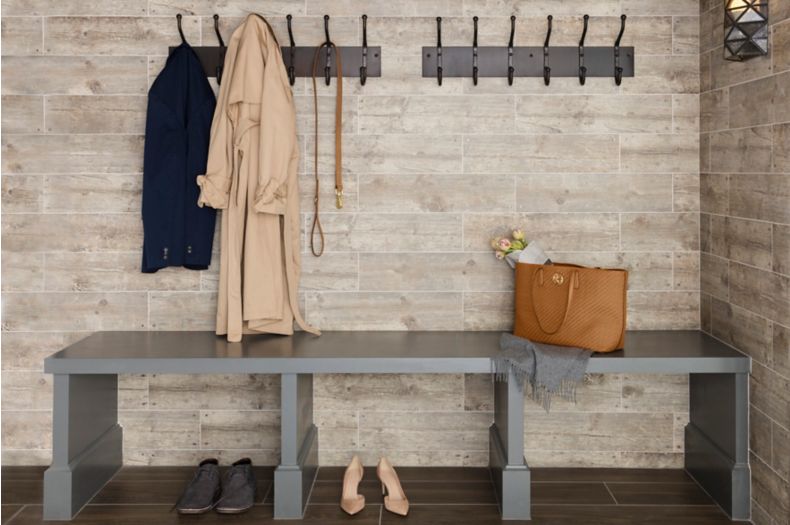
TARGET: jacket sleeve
(277,137)
(215,184)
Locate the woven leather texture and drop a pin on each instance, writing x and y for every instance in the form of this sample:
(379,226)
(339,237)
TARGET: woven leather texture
(568,305)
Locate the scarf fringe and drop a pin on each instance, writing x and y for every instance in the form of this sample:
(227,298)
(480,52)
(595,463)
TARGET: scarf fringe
(502,367)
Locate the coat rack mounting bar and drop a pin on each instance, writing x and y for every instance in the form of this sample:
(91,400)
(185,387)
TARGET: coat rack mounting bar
(492,61)
(213,56)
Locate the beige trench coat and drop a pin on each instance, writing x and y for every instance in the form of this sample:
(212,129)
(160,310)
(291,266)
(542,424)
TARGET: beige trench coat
(251,176)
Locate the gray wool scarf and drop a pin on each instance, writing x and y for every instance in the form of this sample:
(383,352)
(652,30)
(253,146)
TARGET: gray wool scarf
(550,370)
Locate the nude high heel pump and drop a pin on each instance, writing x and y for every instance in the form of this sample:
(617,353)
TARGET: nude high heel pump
(394,498)
(352,502)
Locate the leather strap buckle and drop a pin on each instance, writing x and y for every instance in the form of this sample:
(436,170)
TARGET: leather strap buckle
(338,198)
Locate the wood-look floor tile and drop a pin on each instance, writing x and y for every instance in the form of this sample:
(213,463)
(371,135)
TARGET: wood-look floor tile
(418,492)
(178,473)
(333,514)
(146,514)
(571,493)
(659,494)
(23,491)
(627,515)
(7,512)
(415,473)
(28,473)
(636,475)
(450,515)
(153,492)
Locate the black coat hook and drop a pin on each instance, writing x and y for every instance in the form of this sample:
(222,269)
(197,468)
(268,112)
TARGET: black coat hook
(329,46)
(291,52)
(180,31)
(221,45)
(474,53)
(546,68)
(618,71)
(439,49)
(510,69)
(363,70)
(582,67)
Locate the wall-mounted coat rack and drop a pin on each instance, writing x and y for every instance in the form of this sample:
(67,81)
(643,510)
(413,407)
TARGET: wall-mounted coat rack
(548,62)
(358,61)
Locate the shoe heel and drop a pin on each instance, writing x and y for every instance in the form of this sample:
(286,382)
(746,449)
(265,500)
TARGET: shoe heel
(383,489)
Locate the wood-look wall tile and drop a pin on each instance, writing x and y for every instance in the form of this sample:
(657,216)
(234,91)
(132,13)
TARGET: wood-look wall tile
(685,192)
(769,490)
(714,276)
(72,233)
(22,35)
(26,390)
(226,8)
(436,115)
(781,148)
(593,114)
(646,270)
(664,74)
(436,192)
(22,193)
(115,35)
(23,272)
(760,196)
(566,192)
(554,231)
(147,457)
(685,35)
(660,231)
(781,249)
(112,271)
(160,430)
(652,393)
(332,271)
(659,153)
(249,429)
(488,311)
(72,153)
(183,310)
(760,291)
(599,431)
(752,103)
(781,47)
(92,75)
(433,271)
(26,429)
(387,392)
(535,85)
(540,153)
(685,113)
(385,310)
(388,154)
(663,310)
(132,392)
(27,350)
(704,152)
(742,329)
(705,71)
(705,313)
(781,445)
(727,72)
(305,113)
(770,393)
(75,311)
(326,193)
(215,392)
(596,393)
(742,240)
(478,392)
(711,30)
(22,114)
(519,8)
(93,193)
(74,7)
(96,114)
(382,7)
(389,232)
(339,429)
(411,430)
(759,434)
(685,270)
(416,458)
(714,193)
(668,7)
(715,110)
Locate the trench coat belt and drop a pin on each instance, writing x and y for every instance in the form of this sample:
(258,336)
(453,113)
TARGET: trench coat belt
(338,147)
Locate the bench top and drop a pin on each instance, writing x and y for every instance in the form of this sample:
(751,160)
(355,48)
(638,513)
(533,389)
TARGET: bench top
(660,352)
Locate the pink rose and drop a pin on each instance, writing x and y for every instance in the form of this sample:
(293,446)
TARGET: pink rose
(504,244)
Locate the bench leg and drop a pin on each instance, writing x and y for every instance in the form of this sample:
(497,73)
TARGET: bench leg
(509,469)
(717,439)
(294,476)
(87,442)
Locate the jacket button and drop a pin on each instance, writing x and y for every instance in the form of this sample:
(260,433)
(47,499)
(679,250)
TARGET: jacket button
(164,254)
(189,249)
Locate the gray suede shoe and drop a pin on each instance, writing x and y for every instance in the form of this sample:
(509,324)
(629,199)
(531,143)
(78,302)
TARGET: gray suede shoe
(238,489)
(203,491)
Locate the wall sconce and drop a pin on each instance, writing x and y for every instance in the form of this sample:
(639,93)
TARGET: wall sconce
(745,29)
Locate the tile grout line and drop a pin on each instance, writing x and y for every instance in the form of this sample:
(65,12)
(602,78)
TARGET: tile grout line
(610,493)
(17,513)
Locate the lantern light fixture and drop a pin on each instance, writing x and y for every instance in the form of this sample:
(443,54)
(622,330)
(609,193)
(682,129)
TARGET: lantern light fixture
(745,29)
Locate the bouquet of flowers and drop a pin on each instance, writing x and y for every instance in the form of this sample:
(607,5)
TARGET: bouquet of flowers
(509,248)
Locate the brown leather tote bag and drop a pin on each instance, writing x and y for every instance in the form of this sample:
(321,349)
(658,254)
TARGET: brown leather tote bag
(569,305)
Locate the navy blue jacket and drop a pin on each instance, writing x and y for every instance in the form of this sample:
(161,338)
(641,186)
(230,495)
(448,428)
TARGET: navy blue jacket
(180,108)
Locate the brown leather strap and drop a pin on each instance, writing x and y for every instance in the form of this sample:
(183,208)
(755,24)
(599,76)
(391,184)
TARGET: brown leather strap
(338,146)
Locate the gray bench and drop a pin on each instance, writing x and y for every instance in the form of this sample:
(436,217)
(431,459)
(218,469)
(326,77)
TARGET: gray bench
(87,439)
